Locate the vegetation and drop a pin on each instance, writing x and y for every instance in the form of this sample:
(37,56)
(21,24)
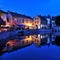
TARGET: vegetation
(57,21)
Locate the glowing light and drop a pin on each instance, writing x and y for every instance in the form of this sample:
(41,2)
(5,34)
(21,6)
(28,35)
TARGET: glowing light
(11,43)
(28,24)
(28,38)
(38,35)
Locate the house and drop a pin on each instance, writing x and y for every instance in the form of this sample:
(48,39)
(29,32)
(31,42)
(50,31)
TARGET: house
(40,22)
(20,19)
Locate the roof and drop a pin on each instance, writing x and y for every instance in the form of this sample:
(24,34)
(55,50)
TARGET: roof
(3,11)
(19,15)
(42,17)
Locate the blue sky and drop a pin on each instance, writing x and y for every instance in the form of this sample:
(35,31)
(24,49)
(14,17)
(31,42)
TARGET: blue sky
(32,7)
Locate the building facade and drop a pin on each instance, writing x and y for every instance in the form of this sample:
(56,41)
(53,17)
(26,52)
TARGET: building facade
(53,21)
(49,21)
(14,19)
(19,19)
(40,22)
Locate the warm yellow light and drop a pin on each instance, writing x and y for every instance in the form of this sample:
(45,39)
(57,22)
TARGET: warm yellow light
(28,24)
(28,38)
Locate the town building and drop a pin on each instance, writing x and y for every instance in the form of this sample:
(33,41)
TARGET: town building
(15,20)
(49,20)
(53,21)
(40,22)
(20,19)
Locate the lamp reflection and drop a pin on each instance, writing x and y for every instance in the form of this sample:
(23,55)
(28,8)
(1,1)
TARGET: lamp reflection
(14,44)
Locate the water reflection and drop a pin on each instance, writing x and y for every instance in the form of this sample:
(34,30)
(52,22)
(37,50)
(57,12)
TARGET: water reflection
(24,41)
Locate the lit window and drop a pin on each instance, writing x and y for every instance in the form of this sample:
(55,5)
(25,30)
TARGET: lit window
(37,22)
(3,17)
(35,19)
(26,21)
(15,19)
(22,20)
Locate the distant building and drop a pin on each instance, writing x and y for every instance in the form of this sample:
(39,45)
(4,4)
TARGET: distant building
(53,21)
(48,18)
(40,22)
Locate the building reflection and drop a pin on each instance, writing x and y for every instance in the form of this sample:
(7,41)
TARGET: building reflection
(36,40)
(39,40)
(24,41)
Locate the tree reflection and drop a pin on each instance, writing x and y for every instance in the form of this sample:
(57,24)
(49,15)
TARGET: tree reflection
(57,40)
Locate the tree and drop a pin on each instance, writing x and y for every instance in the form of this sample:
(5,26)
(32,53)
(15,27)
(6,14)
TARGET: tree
(57,21)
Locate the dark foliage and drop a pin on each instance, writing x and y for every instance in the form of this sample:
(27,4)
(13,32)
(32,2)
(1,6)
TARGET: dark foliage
(57,40)
(57,21)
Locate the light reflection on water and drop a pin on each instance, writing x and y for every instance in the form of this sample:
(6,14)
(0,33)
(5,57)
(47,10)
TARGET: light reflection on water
(33,47)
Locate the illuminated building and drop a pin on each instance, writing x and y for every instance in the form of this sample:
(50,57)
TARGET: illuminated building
(40,22)
(20,19)
(14,19)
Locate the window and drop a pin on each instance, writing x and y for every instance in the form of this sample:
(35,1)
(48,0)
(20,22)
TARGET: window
(7,19)
(37,18)
(34,18)
(37,22)
(3,17)
(15,19)
(26,21)
(30,21)
(22,20)
(19,21)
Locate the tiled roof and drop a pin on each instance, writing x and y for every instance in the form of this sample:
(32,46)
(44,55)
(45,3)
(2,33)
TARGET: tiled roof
(19,15)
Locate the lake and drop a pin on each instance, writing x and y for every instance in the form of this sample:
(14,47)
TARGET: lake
(32,47)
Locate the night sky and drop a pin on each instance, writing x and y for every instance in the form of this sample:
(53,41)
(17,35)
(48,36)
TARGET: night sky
(32,7)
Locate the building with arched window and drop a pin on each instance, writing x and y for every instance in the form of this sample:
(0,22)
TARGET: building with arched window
(40,22)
